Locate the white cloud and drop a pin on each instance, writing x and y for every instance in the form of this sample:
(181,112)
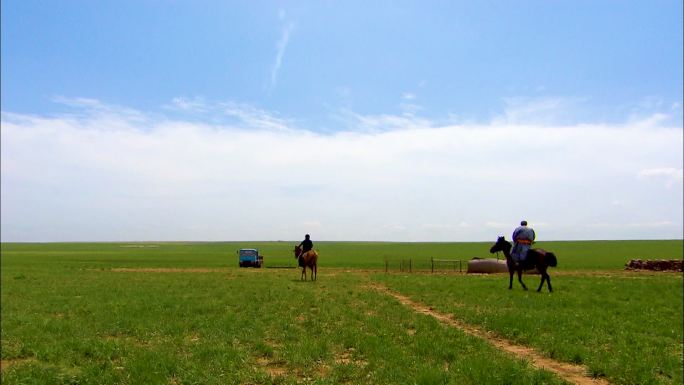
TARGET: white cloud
(657,224)
(110,173)
(669,172)
(670,175)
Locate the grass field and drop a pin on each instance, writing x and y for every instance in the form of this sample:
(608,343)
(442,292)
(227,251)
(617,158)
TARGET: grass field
(184,313)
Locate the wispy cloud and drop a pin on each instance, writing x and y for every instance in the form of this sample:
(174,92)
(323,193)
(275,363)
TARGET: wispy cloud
(229,113)
(537,110)
(280,52)
(382,122)
(89,107)
(670,175)
(196,105)
(252,117)
(408,105)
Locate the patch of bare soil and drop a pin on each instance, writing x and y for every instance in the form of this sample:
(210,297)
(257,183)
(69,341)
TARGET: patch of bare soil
(138,246)
(575,374)
(6,364)
(347,357)
(166,270)
(272,368)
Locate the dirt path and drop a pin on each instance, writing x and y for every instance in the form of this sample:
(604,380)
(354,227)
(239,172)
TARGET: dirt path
(575,374)
(166,270)
(5,364)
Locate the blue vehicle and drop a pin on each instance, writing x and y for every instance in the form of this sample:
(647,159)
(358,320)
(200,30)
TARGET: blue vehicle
(250,257)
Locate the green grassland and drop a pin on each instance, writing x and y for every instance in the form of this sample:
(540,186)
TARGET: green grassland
(70,317)
(587,255)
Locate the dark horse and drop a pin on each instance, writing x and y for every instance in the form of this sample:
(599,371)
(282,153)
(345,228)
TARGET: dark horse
(308,259)
(535,258)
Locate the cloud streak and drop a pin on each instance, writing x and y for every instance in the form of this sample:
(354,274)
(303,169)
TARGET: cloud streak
(113,173)
(280,52)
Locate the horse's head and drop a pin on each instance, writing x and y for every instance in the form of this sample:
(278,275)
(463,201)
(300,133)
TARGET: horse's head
(297,251)
(500,245)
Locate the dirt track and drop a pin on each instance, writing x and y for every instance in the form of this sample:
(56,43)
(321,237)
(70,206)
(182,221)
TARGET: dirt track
(167,270)
(575,374)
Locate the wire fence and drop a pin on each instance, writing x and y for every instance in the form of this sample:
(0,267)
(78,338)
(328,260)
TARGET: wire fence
(432,265)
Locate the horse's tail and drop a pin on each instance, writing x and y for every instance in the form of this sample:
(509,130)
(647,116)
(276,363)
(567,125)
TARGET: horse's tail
(551,259)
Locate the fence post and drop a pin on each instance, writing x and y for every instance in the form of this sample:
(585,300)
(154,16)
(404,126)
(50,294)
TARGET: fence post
(432,264)
(411,265)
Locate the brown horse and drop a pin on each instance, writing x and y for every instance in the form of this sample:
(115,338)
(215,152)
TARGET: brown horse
(535,258)
(308,259)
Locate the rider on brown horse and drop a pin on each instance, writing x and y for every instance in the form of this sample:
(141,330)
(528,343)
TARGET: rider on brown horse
(307,257)
(306,245)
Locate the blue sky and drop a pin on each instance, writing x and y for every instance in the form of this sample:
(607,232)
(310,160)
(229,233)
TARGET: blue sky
(542,91)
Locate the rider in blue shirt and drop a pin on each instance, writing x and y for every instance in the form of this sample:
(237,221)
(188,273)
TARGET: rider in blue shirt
(523,237)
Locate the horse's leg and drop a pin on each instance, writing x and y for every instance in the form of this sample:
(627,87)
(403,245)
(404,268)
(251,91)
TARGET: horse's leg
(542,271)
(545,277)
(303,277)
(315,271)
(548,281)
(510,281)
(520,278)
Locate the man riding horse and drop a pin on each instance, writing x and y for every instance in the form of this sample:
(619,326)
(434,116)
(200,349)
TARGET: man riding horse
(523,237)
(307,257)
(306,245)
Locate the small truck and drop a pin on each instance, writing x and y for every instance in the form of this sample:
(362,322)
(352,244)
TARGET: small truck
(250,258)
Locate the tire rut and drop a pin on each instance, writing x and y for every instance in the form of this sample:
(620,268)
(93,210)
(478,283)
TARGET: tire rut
(576,374)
